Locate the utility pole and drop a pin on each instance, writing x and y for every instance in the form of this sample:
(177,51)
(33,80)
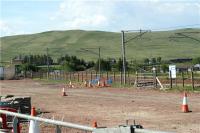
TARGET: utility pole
(123,58)
(142,32)
(99,62)
(47,63)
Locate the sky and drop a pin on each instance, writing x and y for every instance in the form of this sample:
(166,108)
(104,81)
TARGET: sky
(33,16)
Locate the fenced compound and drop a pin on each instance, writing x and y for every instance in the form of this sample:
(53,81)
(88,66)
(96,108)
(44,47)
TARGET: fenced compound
(138,79)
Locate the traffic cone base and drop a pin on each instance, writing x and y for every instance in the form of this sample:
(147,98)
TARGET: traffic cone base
(34,127)
(98,83)
(104,84)
(185,107)
(63,92)
(90,85)
(85,83)
(94,124)
(70,85)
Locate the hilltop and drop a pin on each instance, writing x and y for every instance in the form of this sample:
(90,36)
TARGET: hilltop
(182,43)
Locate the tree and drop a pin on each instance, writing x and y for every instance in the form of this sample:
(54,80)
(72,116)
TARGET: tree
(196,60)
(164,67)
(119,64)
(158,60)
(153,61)
(146,61)
(105,65)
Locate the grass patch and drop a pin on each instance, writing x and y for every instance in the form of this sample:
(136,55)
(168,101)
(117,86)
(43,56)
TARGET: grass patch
(152,44)
(186,88)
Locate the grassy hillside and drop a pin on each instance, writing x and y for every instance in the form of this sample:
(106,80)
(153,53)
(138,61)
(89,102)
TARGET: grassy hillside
(151,44)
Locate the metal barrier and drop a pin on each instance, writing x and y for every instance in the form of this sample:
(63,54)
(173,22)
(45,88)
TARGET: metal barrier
(49,121)
(58,124)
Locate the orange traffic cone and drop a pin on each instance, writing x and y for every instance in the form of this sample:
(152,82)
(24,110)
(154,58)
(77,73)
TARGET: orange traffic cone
(33,112)
(104,83)
(94,124)
(85,83)
(89,84)
(63,92)
(70,84)
(34,125)
(98,83)
(185,108)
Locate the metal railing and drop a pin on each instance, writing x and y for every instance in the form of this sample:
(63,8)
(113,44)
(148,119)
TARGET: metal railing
(58,124)
(49,121)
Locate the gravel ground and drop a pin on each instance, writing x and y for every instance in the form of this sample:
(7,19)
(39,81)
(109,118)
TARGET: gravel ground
(110,107)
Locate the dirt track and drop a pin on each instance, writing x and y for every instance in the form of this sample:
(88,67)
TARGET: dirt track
(111,106)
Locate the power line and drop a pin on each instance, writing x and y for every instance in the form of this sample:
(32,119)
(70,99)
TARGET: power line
(176,27)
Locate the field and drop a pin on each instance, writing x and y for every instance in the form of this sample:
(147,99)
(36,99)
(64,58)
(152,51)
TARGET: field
(165,44)
(153,109)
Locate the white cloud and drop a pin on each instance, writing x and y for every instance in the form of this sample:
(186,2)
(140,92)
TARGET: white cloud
(80,14)
(7,29)
(177,7)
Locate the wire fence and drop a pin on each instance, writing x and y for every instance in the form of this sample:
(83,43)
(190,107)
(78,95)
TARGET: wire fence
(183,79)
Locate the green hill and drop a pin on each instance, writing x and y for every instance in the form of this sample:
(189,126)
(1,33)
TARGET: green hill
(184,43)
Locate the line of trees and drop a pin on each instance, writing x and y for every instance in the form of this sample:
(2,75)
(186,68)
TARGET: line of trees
(73,63)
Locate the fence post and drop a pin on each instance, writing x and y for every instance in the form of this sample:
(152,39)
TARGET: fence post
(91,76)
(58,130)
(82,76)
(96,74)
(121,77)
(15,125)
(107,75)
(40,74)
(183,79)
(192,80)
(114,76)
(74,76)
(86,75)
(170,73)
(65,76)
(78,76)
(70,76)
(128,78)
(101,75)
(136,79)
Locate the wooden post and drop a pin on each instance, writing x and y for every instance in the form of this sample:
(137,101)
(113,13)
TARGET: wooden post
(40,75)
(70,76)
(96,74)
(91,76)
(170,79)
(107,75)
(136,77)
(128,78)
(183,79)
(82,76)
(86,75)
(64,76)
(114,76)
(121,77)
(78,76)
(155,78)
(192,77)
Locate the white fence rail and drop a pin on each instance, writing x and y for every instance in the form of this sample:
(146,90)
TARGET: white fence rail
(121,129)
